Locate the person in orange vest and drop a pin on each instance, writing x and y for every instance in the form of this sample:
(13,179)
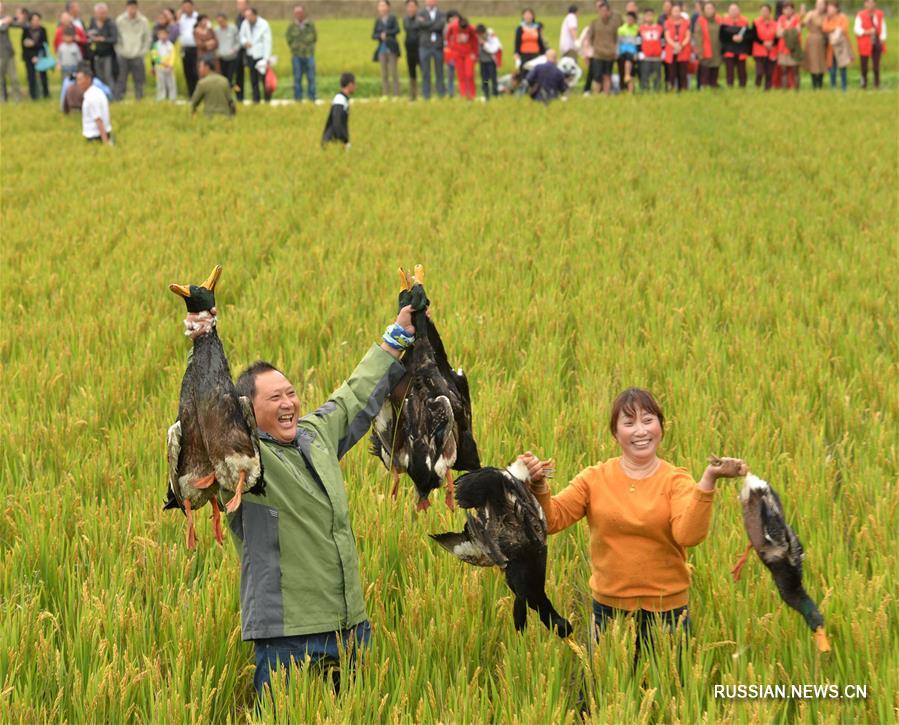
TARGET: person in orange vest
(677,47)
(528,40)
(764,49)
(650,51)
(789,46)
(871,36)
(464,47)
(707,43)
(735,45)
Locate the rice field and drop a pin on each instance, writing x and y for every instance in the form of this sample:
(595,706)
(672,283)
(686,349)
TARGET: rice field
(736,254)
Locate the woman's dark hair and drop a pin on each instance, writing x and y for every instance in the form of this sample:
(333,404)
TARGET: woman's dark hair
(463,22)
(765,5)
(201,18)
(480,29)
(450,14)
(529,10)
(572,8)
(632,15)
(630,401)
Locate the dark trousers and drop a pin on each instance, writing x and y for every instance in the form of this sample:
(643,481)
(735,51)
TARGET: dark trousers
(189,63)
(764,72)
(257,79)
(321,650)
(138,71)
(36,90)
(844,81)
(588,84)
(817,80)
(738,65)
(709,76)
(429,57)
(229,70)
(488,79)
(650,69)
(677,75)
(645,621)
(240,74)
(874,58)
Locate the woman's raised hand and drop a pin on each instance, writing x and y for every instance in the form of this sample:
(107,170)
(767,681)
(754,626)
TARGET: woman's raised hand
(537,469)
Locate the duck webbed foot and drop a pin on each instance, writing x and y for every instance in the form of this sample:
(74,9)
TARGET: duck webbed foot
(205,482)
(423,504)
(821,641)
(450,491)
(396,483)
(234,503)
(738,567)
(191,530)
(217,522)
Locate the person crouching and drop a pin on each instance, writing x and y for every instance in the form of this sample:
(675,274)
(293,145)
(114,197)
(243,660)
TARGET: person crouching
(545,81)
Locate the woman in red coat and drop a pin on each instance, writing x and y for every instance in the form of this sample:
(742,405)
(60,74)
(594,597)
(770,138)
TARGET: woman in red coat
(764,49)
(677,47)
(464,48)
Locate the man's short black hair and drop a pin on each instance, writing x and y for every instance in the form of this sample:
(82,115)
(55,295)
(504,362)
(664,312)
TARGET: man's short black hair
(208,59)
(346,79)
(572,8)
(632,14)
(131,2)
(85,67)
(246,381)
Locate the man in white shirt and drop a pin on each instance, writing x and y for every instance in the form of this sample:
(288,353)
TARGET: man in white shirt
(256,38)
(187,20)
(568,37)
(95,123)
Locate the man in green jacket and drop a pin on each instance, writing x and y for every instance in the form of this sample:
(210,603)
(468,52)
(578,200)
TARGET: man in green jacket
(300,590)
(213,91)
(301,37)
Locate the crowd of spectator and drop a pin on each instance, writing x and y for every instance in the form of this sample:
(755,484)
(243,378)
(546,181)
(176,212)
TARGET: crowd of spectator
(676,49)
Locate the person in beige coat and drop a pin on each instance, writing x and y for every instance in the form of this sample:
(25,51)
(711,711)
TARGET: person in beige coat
(815,57)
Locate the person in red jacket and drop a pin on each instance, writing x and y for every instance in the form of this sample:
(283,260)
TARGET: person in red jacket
(735,44)
(871,36)
(764,49)
(788,23)
(651,34)
(65,21)
(677,47)
(464,47)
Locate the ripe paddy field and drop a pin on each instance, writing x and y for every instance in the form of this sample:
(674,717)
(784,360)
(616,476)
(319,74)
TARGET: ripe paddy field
(734,253)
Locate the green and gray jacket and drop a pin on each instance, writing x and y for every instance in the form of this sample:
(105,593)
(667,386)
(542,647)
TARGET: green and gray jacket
(299,570)
(301,38)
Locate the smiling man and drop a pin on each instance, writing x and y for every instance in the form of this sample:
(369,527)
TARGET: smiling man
(300,590)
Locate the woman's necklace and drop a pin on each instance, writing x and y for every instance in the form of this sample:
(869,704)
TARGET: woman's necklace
(642,474)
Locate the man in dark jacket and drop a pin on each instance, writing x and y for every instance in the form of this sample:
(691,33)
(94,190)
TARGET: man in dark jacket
(337,128)
(301,592)
(410,28)
(546,81)
(431,21)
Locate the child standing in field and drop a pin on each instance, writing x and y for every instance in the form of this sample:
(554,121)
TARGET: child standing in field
(628,46)
(488,47)
(337,128)
(163,56)
(68,54)
(465,49)
(650,51)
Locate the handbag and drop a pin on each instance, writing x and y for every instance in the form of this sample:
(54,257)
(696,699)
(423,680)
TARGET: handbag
(45,60)
(271,81)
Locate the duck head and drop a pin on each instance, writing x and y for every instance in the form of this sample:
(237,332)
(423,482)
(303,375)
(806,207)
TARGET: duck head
(412,291)
(199,298)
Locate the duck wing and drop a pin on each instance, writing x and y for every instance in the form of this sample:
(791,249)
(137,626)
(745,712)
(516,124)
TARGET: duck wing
(249,416)
(475,545)
(173,455)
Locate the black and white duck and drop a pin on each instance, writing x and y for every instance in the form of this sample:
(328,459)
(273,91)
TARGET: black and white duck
(213,446)
(508,530)
(424,427)
(780,550)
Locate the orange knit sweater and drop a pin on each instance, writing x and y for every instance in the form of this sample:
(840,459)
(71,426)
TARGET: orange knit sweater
(638,538)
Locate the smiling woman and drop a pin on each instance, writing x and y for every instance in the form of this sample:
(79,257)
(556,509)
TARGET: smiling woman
(643,513)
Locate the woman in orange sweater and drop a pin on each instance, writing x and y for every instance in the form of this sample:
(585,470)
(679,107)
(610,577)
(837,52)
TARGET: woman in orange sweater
(643,513)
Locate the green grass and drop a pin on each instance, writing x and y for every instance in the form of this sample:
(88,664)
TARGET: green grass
(734,253)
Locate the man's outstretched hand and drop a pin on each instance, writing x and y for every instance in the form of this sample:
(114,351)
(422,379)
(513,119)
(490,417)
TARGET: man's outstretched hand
(197,324)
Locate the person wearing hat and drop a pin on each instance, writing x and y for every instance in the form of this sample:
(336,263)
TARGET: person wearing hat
(213,91)
(95,121)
